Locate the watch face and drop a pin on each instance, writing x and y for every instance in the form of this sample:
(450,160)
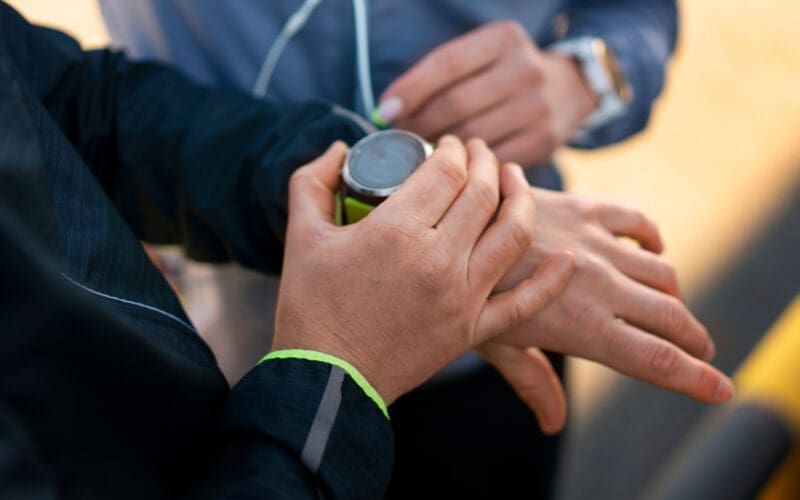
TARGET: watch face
(379,163)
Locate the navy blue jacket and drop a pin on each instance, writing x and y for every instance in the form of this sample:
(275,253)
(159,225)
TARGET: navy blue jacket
(225,44)
(106,390)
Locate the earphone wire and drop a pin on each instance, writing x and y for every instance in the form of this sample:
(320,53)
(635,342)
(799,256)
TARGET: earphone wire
(291,27)
(294,24)
(362,56)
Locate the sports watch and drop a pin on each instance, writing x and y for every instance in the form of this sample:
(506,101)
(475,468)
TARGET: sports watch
(375,167)
(605,77)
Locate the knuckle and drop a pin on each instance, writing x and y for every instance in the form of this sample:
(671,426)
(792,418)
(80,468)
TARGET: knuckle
(315,233)
(477,143)
(456,103)
(587,209)
(452,172)
(674,317)
(592,269)
(638,219)
(433,272)
(549,140)
(389,235)
(515,315)
(664,360)
(450,62)
(512,31)
(540,298)
(667,276)
(536,106)
(530,70)
(486,194)
(520,232)
(298,180)
(708,381)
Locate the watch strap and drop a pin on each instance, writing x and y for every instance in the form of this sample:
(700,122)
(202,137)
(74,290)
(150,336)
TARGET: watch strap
(350,210)
(610,104)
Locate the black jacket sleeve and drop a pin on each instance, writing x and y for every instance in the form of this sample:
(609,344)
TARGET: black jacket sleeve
(183,163)
(100,399)
(318,437)
(91,408)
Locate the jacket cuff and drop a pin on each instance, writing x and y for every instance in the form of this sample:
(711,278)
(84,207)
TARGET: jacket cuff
(321,357)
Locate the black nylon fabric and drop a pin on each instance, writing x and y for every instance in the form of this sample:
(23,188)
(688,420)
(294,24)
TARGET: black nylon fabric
(106,390)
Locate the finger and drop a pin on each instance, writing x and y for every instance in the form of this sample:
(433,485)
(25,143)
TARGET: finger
(505,120)
(443,67)
(428,193)
(510,309)
(658,362)
(472,211)
(510,235)
(630,222)
(643,266)
(313,186)
(529,147)
(472,96)
(533,378)
(665,316)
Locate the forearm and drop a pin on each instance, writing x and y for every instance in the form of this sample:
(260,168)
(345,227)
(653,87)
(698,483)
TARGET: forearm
(642,35)
(183,164)
(300,428)
(205,168)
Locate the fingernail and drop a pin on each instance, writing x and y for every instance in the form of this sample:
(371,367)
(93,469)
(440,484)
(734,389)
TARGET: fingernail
(724,390)
(387,111)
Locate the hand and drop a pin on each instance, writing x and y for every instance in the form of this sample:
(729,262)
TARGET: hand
(621,308)
(493,83)
(408,288)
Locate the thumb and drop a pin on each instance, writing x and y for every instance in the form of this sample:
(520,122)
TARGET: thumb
(508,310)
(313,187)
(532,377)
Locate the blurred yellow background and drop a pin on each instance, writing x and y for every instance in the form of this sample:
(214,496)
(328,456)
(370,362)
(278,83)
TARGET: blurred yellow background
(716,161)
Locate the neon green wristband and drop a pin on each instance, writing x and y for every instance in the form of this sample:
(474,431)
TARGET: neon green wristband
(321,357)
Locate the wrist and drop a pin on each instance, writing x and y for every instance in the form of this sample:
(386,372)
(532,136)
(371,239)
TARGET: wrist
(570,98)
(582,98)
(603,73)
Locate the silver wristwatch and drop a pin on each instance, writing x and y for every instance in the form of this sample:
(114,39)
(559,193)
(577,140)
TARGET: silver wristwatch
(604,76)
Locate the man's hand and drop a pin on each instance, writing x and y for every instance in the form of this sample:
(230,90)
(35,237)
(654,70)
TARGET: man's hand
(407,289)
(493,83)
(622,308)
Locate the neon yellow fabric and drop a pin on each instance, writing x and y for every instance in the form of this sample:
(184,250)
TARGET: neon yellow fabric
(337,210)
(321,357)
(356,210)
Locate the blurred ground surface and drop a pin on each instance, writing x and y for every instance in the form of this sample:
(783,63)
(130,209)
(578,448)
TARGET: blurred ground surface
(718,162)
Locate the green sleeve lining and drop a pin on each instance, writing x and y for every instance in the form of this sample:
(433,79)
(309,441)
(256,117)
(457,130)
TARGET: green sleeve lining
(321,357)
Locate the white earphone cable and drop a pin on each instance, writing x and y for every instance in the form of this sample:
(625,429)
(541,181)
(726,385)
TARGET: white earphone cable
(362,53)
(294,24)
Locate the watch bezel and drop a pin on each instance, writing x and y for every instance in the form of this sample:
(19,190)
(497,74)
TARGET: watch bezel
(354,186)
